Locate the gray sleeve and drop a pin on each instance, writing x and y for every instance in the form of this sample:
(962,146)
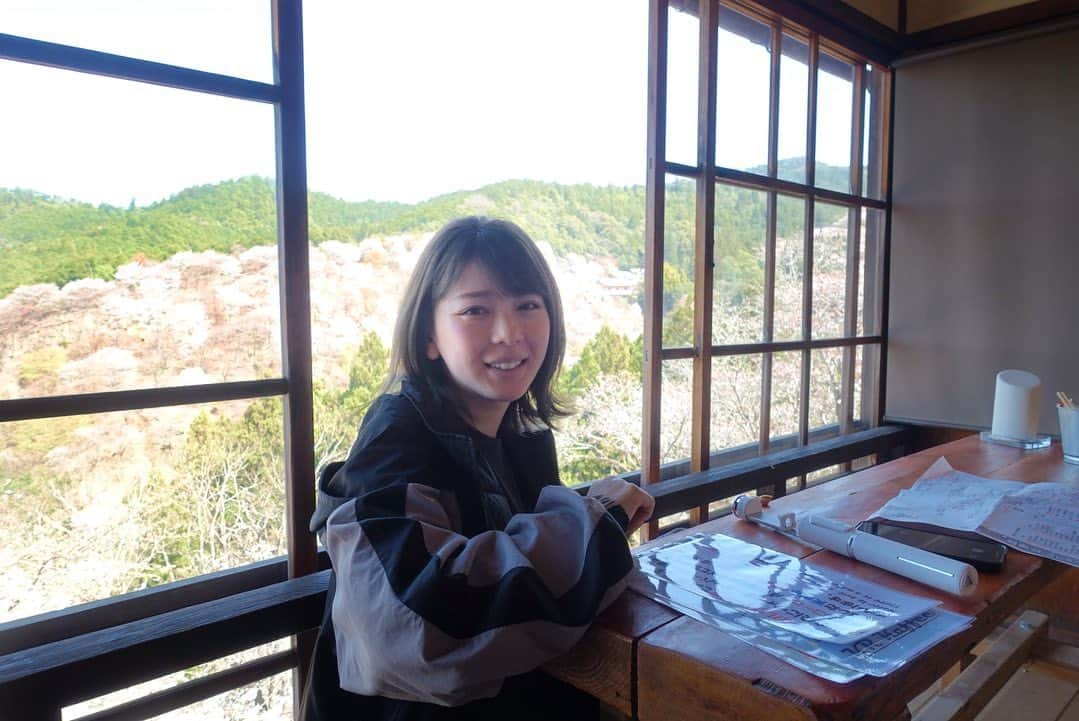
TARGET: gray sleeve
(424,613)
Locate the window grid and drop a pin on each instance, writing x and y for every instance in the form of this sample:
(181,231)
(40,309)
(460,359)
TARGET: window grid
(287,96)
(708,176)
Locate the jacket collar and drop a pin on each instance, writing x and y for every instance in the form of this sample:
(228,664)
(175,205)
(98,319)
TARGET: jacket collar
(441,420)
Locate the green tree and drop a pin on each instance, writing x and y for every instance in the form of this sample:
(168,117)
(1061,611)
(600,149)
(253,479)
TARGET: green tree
(367,370)
(608,352)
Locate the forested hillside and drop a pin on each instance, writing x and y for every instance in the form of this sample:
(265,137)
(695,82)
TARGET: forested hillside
(185,291)
(46,239)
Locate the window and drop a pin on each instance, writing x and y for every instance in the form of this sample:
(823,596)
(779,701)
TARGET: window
(763,273)
(144,438)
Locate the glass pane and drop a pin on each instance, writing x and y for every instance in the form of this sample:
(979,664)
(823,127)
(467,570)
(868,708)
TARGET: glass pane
(676,423)
(793,108)
(141,246)
(857,411)
(678,252)
(116,502)
(829,269)
(868,395)
(736,401)
(871,282)
(683,50)
(738,274)
(790,267)
(471,97)
(822,475)
(835,92)
(859,323)
(229,38)
(825,387)
(605,385)
(874,155)
(786,399)
(744,51)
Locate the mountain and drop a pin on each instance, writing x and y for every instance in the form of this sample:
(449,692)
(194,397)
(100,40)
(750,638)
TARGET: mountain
(46,239)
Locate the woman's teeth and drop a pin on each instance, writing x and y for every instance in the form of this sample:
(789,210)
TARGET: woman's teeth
(508,366)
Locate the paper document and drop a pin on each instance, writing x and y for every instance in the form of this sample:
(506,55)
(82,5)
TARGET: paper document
(1042,519)
(1037,518)
(800,614)
(956,500)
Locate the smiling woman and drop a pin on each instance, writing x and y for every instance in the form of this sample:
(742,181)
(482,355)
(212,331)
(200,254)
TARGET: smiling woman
(460,562)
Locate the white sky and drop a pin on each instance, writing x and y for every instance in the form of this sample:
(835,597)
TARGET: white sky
(405,100)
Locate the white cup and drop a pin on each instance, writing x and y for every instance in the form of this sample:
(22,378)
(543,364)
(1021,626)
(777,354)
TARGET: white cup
(1069,433)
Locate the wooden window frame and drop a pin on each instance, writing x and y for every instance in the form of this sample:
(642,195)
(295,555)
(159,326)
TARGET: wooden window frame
(286,94)
(707,176)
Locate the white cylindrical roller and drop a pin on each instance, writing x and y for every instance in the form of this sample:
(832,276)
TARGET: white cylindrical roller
(1015,405)
(825,532)
(931,569)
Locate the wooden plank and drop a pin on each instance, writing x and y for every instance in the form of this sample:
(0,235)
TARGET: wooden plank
(119,66)
(96,663)
(969,693)
(854,235)
(704,244)
(773,347)
(57,625)
(20,409)
(764,433)
(603,663)
(696,489)
(655,189)
(807,245)
(883,268)
(682,671)
(1071,713)
(197,690)
(294,279)
(1034,693)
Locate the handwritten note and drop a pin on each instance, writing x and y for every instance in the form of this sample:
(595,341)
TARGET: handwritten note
(1042,519)
(1037,518)
(956,500)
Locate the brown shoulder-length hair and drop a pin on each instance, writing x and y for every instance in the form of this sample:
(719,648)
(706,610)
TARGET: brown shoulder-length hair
(517,266)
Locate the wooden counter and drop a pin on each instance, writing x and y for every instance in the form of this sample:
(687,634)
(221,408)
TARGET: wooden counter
(652,663)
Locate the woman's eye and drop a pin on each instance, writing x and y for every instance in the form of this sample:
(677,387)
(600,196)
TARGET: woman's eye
(474,310)
(531,305)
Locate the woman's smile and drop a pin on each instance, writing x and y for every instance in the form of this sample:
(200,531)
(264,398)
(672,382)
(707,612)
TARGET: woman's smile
(492,343)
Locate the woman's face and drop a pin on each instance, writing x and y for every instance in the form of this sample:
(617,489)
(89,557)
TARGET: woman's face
(493,344)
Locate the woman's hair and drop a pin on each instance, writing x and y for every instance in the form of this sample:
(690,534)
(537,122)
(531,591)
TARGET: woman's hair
(516,265)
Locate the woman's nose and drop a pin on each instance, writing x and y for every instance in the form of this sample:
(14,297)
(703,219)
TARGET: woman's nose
(507,328)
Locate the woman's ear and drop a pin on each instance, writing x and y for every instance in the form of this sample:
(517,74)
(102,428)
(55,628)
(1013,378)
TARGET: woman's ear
(432,350)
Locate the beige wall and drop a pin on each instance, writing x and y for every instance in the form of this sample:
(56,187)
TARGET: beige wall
(985,229)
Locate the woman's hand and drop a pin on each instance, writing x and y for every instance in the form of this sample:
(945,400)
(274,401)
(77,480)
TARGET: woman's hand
(637,504)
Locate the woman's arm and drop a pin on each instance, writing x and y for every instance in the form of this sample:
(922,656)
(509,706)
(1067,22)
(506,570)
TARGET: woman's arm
(425,613)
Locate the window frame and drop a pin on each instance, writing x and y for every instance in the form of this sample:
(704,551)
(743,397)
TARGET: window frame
(707,177)
(294,386)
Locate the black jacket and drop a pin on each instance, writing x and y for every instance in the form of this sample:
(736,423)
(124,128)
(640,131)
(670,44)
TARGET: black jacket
(445,593)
